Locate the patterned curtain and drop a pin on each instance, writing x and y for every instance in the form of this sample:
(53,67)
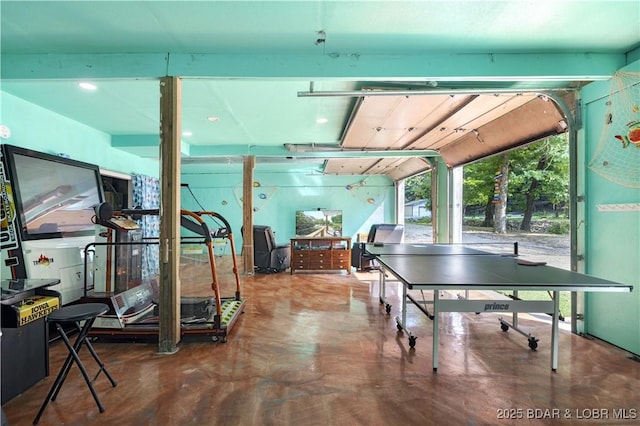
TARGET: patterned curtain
(146,194)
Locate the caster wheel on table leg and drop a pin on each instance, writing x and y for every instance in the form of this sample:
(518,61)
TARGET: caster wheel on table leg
(412,341)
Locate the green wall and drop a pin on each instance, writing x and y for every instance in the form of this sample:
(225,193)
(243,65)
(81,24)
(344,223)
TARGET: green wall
(612,238)
(281,192)
(42,130)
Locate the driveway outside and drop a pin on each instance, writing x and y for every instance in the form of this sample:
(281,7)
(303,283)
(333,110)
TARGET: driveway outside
(550,248)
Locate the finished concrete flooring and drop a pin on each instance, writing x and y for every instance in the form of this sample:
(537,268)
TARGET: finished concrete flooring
(319,349)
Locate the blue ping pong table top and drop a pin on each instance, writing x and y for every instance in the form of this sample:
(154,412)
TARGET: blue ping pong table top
(422,249)
(489,273)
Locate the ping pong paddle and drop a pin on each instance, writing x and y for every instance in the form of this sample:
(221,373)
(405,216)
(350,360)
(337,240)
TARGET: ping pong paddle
(530,263)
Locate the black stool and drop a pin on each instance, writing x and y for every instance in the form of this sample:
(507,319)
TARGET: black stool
(75,314)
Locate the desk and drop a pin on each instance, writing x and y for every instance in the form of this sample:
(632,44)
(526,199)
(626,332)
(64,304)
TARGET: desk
(438,272)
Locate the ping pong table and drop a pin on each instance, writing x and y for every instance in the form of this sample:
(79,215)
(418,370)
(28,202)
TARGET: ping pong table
(443,267)
(377,249)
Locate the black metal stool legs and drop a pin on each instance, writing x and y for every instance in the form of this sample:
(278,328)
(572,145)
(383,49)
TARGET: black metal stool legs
(102,369)
(73,356)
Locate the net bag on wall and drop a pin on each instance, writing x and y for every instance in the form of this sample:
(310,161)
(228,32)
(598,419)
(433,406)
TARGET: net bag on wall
(617,157)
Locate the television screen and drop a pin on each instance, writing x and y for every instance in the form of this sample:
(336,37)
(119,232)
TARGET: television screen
(319,223)
(55,196)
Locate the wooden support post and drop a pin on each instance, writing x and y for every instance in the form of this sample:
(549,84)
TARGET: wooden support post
(170,99)
(249,162)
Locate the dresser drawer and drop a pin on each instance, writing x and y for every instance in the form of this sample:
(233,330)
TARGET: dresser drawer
(321,253)
(320,263)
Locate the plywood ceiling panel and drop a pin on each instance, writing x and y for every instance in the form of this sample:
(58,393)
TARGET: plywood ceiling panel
(448,106)
(349,166)
(371,113)
(395,122)
(533,121)
(384,165)
(409,167)
(477,112)
(409,119)
(395,168)
(461,127)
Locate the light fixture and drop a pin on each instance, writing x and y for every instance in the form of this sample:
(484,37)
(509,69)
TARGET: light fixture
(87,86)
(213,118)
(321,120)
(187,133)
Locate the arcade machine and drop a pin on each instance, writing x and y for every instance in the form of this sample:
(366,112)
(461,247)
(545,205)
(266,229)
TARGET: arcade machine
(25,344)
(133,301)
(46,222)
(50,204)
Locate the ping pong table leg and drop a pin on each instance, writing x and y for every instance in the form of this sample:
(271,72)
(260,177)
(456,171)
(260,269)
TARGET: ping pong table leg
(436,298)
(404,307)
(384,285)
(514,316)
(554,330)
(381,289)
(401,322)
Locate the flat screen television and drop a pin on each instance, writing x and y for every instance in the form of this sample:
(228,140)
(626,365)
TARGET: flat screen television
(54,196)
(319,223)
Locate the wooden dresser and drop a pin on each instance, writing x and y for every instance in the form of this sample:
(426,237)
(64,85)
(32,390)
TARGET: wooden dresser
(321,254)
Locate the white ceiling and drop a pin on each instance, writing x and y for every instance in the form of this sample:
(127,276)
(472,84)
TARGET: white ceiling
(246,62)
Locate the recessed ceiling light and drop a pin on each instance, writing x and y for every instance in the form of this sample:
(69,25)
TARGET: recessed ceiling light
(321,120)
(187,133)
(213,118)
(87,86)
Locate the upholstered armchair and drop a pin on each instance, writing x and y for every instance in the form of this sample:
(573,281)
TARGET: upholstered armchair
(268,255)
(387,233)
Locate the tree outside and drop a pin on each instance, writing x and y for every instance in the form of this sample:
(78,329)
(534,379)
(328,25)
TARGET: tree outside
(521,183)
(518,196)
(525,189)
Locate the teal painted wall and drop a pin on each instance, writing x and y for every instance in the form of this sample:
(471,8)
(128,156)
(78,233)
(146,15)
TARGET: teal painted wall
(612,238)
(282,192)
(42,130)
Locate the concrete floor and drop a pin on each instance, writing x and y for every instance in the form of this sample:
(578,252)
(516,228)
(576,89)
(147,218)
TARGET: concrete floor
(319,349)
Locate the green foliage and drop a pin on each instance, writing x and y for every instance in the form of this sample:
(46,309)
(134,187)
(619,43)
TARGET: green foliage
(304,224)
(479,181)
(540,224)
(559,227)
(564,302)
(419,188)
(540,169)
(546,162)
(423,220)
